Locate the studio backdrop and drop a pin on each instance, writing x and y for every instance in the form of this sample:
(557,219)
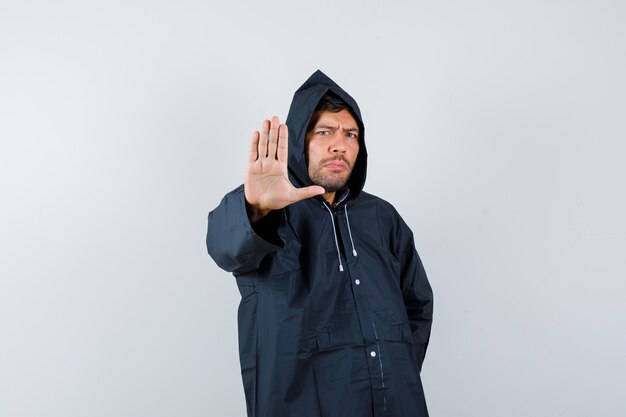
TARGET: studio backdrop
(495,128)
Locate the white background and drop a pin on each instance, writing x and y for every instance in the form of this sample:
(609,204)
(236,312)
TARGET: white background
(496,128)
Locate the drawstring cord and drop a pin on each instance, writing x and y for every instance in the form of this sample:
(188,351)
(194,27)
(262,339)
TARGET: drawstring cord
(332,221)
(350,231)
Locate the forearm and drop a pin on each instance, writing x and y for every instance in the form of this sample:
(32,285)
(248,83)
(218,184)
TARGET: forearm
(232,241)
(420,314)
(418,300)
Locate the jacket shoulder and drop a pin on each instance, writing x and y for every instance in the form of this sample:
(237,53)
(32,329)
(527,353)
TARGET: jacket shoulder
(381,205)
(389,220)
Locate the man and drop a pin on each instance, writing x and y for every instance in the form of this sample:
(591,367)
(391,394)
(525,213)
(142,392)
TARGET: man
(336,309)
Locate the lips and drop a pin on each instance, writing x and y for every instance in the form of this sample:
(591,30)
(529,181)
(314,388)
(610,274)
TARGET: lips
(336,165)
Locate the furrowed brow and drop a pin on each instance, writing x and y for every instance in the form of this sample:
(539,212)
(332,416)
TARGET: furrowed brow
(334,127)
(325,126)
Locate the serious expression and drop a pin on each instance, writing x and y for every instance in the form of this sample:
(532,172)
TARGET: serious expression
(332,146)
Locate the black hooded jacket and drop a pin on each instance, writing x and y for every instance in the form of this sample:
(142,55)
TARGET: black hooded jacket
(336,309)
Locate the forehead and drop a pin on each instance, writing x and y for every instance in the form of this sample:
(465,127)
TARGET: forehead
(342,118)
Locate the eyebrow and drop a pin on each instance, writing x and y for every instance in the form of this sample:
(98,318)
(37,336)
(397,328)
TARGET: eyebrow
(325,126)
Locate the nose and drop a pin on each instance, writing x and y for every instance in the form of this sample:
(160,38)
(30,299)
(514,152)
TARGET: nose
(338,143)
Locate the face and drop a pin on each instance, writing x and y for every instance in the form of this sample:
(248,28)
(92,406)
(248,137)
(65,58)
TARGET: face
(332,146)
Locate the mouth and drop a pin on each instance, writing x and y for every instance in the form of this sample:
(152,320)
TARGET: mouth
(336,165)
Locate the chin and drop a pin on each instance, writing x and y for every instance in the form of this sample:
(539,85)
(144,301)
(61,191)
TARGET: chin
(333,186)
(331,182)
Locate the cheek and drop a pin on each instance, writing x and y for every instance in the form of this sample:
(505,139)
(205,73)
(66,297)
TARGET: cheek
(311,161)
(354,153)
(313,155)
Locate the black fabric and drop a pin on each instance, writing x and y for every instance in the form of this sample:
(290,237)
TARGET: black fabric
(315,341)
(267,227)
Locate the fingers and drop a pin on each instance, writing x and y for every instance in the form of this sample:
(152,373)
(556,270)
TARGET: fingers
(273,138)
(283,143)
(306,192)
(268,138)
(253,155)
(263,139)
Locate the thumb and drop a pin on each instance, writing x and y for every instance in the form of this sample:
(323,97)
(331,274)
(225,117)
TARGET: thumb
(306,192)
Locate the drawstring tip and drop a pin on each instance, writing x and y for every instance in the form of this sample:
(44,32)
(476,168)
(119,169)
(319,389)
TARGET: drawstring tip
(354,252)
(340,268)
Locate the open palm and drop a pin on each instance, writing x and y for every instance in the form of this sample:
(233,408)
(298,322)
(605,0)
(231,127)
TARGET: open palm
(266,184)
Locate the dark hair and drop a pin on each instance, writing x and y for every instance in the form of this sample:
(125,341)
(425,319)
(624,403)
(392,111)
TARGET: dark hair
(330,102)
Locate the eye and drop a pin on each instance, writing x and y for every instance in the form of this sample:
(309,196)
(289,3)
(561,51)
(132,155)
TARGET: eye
(352,135)
(323,132)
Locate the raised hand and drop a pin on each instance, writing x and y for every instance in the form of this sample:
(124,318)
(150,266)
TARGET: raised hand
(266,184)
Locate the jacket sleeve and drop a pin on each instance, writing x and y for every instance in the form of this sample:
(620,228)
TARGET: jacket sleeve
(418,299)
(233,242)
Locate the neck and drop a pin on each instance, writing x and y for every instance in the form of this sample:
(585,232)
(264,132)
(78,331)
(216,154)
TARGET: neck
(330,197)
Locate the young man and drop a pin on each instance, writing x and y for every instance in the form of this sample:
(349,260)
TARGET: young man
(336,309)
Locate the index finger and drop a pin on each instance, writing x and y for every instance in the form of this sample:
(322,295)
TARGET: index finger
(283,143)
(253,154)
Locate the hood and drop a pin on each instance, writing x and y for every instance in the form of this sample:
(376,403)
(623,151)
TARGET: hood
(304,102)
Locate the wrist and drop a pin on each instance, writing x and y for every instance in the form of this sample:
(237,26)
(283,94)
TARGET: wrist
(255,213)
